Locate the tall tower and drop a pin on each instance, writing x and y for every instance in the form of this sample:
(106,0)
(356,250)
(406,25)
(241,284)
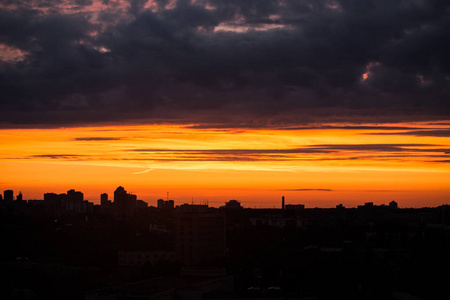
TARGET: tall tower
(282,202)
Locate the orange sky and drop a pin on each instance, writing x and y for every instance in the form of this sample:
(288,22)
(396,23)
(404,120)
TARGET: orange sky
(319,166)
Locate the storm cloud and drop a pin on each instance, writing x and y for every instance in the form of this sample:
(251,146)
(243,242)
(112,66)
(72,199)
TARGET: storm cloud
(223,62)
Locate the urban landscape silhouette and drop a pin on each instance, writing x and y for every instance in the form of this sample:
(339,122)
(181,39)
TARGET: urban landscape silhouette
(65,247)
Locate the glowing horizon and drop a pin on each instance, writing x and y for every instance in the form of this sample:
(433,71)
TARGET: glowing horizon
(319,165)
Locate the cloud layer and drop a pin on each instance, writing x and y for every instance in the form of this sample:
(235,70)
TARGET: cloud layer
(255,62)
(314,153)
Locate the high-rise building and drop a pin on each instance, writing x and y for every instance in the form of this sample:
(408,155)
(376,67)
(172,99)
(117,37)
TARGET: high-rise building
(75,196)
(8,196)
(19,197)
(124,203)
(200,235)
(73,201)
(104,202)
(53,200)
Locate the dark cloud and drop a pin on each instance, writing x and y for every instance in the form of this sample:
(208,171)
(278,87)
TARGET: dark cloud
(397,152)
(307,190)
(235,151)
(224,62)
(350,127)
(60,156)
(97,139)
(433,133)
(310,149)
(308,127)
(335,152)
(377,147)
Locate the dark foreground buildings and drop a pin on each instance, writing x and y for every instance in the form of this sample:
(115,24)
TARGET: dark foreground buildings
(122,249)
(200,235)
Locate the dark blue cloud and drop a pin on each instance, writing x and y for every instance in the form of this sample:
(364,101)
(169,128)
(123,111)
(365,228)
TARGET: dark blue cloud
(225,62)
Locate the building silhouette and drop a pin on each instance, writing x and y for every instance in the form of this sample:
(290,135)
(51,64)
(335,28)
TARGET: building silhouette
(200,235)
(393,205)
(233,205)
(53,202)
(295,206)
(124,203)
(8,196)
(73,201)
(169,204)
(104,199)
(70,203)
(141,204)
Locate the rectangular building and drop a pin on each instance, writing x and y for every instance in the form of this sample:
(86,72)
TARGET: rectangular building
(200,236)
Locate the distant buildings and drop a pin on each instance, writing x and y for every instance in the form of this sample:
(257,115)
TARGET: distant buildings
(393,205)
(233,205)
(169,204)
(295,207)
(71,202)
(125,204)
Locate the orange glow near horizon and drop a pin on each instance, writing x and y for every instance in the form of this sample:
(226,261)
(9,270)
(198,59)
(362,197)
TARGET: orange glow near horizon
(319,166)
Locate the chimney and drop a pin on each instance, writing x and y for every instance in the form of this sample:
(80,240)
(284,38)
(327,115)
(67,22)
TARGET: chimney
(282,202)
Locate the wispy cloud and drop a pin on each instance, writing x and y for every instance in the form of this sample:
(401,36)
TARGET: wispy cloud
(318,152)
(142,172)
(59,156)
(377,147)
(308,153)
(425,133)
(307,190)
(97,138)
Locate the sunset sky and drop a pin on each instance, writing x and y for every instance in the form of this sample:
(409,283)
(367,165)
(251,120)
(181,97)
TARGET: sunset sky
(323,102)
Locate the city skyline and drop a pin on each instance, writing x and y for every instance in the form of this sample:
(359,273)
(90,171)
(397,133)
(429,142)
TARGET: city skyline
(9,196)
(324,102)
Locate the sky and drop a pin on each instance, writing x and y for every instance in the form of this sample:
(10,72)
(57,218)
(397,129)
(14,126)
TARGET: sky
(323,102)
